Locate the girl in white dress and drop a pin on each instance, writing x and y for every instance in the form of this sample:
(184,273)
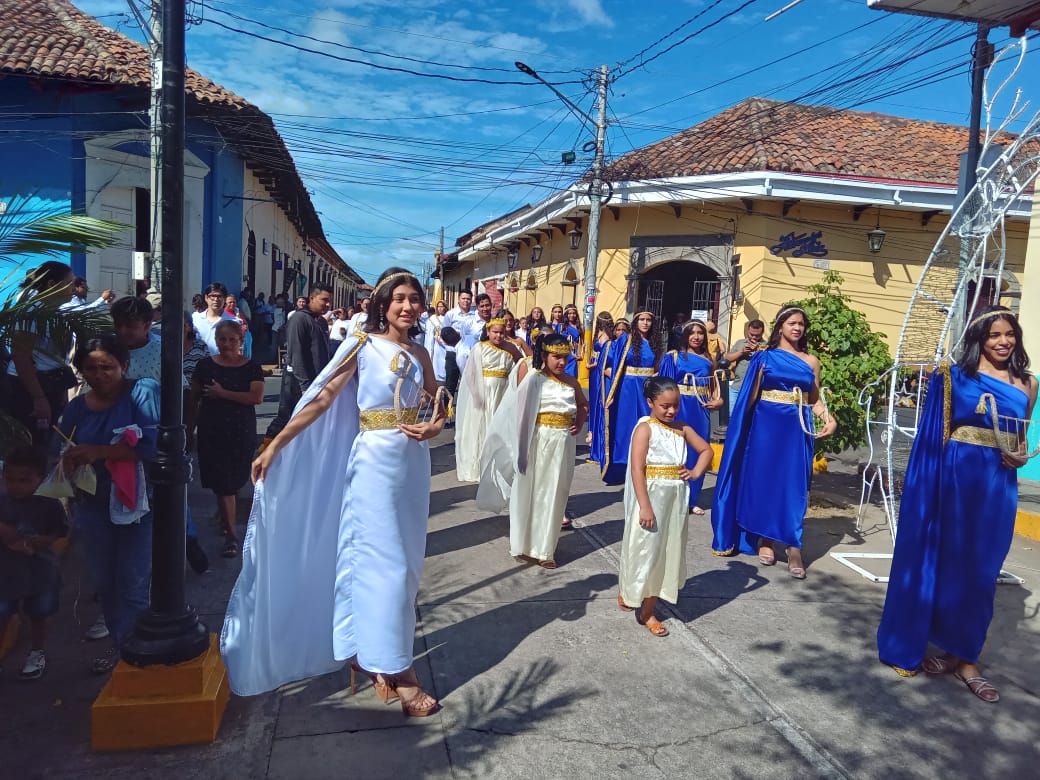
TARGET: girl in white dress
(552,411)
(334,550)
(483,385)
(653,549)
(434,345)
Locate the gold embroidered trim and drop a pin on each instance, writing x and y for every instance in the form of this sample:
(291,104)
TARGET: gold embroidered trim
(667,427)
(497,373)
(387,419)
(782,397)
(557,349)
(694,390)
(662,472)
(554,420)
(983,437)
(723,553)
(633,371)
(944,372)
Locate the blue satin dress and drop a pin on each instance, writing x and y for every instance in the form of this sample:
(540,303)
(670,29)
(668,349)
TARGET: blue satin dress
(573,336)
(762,489)
(693,372)
(956,522)
(597,422)
(624,403)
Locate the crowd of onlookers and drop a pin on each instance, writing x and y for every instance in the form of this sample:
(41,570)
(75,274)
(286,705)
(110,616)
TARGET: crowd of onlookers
(80,396)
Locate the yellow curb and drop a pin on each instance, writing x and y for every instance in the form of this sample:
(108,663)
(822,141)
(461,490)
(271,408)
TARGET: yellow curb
(1027,524)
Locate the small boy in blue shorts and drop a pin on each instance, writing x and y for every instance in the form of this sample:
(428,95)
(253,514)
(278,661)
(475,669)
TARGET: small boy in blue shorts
(30,575)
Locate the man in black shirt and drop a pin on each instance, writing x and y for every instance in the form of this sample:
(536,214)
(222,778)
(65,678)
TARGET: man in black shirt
(307,352)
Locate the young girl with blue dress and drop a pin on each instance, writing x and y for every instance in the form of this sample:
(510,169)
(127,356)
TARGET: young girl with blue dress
(958,507)
(693,369)
(595,362)
(773,414)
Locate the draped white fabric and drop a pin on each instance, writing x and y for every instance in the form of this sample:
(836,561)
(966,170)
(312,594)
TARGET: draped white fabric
(653,562)
(539,492)
(328,571)
(508,440)
(479,396)
(435,347)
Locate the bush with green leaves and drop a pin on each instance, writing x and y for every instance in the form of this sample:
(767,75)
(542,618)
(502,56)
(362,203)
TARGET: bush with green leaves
(851,356)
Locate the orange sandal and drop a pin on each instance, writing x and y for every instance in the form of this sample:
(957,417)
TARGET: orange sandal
(656,627)
(623,605)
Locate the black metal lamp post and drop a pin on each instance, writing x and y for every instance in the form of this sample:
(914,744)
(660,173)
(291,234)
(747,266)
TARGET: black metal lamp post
(170,631)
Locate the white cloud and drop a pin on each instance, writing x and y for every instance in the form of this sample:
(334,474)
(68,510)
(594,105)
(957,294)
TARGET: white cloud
(591,12)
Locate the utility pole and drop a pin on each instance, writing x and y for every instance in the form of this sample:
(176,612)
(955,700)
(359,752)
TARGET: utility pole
(596,203)
(170,632)
(154,265)
(595,199)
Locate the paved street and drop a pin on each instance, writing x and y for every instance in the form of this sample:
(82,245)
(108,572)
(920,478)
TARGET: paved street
(541,675)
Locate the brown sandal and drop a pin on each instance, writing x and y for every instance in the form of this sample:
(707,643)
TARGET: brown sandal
(549,564)
(415,708)
(656,627)
(382,688)
(621,603)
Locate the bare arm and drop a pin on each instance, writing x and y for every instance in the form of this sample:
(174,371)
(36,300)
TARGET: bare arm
(830,425)
(426,430)
(251,397)
(637,462)
(703,450)
(22,343)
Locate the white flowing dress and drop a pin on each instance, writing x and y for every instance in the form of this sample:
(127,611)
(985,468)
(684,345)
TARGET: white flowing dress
(434,346)
(539,494)
(653,562)
(480,392)
(334,549)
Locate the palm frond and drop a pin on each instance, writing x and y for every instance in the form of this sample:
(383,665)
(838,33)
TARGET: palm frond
(56,235)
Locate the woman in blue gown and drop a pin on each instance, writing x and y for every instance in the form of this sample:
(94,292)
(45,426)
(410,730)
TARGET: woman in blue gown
(595,362)
(957,512)
(693,369)
(632,359)
(753,509)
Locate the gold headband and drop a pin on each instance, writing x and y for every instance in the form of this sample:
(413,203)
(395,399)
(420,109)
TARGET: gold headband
(396,278)
(639,314)
(557,349)
(998,313)
(790,308)
(496,321)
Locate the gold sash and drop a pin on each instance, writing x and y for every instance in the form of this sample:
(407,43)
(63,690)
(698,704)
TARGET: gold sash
(694,390)
(632,371)
(554,420)
(662,472)
(783,396)
(983,437)
(387,419)
(497,373)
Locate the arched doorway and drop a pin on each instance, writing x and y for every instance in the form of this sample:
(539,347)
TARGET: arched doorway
(680,286)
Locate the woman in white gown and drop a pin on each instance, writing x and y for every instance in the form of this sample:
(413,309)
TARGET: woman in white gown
(529,458)
(653,548)
(434,345)
(319,587)
(480,392)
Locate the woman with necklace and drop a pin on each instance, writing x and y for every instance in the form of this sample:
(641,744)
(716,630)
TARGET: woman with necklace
(957,511)
(773,414)
(334,551)
(693,369)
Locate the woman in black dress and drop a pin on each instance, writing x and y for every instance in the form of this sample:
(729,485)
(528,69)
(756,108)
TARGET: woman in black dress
(225,390)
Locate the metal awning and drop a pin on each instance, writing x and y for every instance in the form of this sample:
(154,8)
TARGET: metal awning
(1016,14)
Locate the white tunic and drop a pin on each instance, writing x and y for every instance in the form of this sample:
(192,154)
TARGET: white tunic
(434,345)
(653,562)
(539,494)
(480,392)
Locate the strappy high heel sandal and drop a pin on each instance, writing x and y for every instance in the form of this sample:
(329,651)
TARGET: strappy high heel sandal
(382,688)
(414,708)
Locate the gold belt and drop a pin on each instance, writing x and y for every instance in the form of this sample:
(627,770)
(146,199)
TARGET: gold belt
(639,371)
(983,437)
(662,472)
(387,419)
(497,373)
(693,390)
(783,396)
(555,420)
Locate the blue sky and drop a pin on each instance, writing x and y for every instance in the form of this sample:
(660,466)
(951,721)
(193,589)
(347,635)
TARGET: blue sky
(390,157)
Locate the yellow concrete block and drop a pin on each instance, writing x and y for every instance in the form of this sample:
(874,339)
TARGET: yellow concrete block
(161,706)
(1027,524)
(716,458)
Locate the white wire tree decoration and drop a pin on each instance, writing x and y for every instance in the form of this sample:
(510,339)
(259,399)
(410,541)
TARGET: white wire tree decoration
(964,268)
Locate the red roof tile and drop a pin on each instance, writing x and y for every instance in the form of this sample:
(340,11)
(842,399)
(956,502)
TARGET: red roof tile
(769,135)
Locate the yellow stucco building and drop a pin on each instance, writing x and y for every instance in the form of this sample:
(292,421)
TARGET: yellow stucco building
(737,215)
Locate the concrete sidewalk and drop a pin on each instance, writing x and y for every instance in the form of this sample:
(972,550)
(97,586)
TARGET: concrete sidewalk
(541,675)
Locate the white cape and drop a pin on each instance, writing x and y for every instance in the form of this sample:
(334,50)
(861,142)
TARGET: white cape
(508,441)
(286,606)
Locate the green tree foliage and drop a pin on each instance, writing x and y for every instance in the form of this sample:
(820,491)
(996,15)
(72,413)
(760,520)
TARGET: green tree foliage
(851,355)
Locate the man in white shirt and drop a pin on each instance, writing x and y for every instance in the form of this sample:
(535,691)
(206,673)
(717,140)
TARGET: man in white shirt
(80,292)
(470,329)
(205,322)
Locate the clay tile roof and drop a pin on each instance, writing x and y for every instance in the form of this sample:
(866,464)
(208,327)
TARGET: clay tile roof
(52,39)
(769,135)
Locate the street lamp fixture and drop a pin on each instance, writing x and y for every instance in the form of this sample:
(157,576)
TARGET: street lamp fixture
(876,237)
(536,253)
(512,256)
(575,237)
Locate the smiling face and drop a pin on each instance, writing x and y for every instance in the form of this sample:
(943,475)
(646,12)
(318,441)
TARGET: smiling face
(404,308)
(1000,342)
(644,322)
(510,323)
(665,406)
(484,309)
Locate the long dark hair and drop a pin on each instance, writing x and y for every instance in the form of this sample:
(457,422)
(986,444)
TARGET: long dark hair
(106,342)
(604,324)
(384,293)
(546,340)
(46,277)
(785,314)
(635,339)
(978,333)
(687,330)
(531,321)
